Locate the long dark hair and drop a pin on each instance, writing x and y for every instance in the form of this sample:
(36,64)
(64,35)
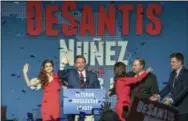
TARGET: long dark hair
(119,71)
(43,75)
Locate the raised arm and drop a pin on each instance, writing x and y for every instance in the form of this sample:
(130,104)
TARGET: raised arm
(133,80)
(63,72)
(26,78)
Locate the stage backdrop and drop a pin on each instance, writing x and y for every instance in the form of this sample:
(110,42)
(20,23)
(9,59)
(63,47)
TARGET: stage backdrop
(104,32)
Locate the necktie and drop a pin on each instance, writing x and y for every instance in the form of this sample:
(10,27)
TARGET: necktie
(82,80)
(175,75)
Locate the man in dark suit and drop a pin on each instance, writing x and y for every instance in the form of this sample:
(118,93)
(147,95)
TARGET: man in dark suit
(177,86)
(77,77)
(147,87)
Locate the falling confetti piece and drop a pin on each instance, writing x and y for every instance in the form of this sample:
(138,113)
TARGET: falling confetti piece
(19,76)
(23,91)
(32,56)
(143,43)
(77,92)
(61,48)
(21,48)
(39,105)
(13,74)
(100,71)
(97,39)
(4,22)
(70,100)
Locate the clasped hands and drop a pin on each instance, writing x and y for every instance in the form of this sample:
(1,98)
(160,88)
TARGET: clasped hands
(167,100)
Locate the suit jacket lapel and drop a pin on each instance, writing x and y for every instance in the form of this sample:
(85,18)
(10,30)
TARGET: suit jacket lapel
(87,78)
(178,77)
(77,76)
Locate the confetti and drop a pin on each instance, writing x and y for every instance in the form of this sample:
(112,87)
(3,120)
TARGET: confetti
(32,56)
(70,100)
(21,48)
(61,48)
(23,91)
(143,43)
(13,74)
(19,76)
(100,71)
(4,22)
(77,92)
(39,105)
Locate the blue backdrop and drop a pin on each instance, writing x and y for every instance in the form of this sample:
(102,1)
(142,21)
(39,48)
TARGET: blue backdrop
(19,48)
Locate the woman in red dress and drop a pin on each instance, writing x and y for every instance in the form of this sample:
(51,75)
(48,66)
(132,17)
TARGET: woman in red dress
(123,89)
(50,107)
